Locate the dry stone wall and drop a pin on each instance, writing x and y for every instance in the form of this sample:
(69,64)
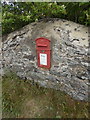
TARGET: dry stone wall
(69,70)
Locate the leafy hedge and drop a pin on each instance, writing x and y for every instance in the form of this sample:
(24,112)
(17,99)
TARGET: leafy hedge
(18,14)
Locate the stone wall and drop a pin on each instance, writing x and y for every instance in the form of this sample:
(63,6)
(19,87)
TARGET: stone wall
(69,61)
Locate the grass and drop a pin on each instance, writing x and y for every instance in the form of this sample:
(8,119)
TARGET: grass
(22,99)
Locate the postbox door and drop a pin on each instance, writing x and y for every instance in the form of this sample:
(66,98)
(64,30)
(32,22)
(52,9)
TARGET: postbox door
(44,58)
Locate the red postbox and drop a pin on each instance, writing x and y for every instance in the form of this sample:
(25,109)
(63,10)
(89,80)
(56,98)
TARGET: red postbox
(43,52)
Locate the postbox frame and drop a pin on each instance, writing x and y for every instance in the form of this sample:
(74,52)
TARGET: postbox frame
(45,49)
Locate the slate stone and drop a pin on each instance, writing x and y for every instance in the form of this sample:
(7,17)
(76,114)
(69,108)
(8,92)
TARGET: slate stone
(69,70)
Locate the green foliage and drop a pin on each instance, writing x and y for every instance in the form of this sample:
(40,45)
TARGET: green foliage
(18,14)
(78,12)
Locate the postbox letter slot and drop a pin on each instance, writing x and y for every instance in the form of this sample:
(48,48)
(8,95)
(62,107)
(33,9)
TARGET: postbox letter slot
(40,45)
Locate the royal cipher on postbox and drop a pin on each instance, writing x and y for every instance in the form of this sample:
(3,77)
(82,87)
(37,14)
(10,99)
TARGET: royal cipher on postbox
(43,50)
